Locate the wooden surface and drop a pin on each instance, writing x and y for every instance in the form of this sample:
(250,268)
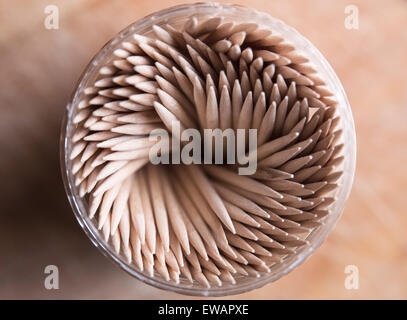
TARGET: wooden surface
(39,69)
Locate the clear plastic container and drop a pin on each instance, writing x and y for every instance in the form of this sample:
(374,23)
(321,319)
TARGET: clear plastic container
(176,16)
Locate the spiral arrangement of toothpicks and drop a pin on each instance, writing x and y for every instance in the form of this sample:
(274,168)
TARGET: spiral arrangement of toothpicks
(207,224)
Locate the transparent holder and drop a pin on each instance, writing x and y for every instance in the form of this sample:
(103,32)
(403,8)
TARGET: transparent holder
(177,16)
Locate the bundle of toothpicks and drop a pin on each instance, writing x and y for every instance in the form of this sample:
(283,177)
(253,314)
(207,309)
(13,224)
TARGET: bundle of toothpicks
(206,224)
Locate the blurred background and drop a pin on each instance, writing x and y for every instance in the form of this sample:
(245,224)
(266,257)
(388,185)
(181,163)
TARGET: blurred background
(39,70)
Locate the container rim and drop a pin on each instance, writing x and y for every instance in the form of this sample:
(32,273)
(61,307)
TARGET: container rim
(303,45)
